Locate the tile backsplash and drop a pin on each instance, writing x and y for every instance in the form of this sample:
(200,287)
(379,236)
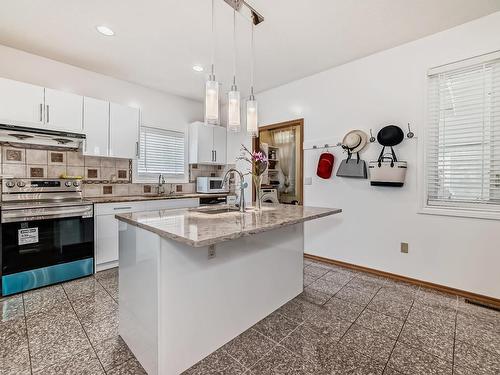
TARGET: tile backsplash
(102,176)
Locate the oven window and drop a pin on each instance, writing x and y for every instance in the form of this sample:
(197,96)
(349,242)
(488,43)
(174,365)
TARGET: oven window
(41,243)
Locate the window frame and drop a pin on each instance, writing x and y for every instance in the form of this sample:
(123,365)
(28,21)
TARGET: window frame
(169,178)
(455,209)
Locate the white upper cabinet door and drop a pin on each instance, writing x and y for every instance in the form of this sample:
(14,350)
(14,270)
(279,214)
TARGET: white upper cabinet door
(96,126)
(123,131)
(63,111)
(205,144)
(21,104)
(220,145)
(201,143)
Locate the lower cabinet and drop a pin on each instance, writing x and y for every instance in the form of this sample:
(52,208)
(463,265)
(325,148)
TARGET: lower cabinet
(106,226)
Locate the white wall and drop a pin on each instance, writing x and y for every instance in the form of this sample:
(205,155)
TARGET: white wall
(157,108)
(389,87)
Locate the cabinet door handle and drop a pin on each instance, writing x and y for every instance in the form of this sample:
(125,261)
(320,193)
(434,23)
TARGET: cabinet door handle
(215,153)
(137,150)
(122,208)
(48,118)
(41,112)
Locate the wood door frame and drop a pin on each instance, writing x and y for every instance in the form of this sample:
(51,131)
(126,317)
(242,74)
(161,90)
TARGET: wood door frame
(282,125)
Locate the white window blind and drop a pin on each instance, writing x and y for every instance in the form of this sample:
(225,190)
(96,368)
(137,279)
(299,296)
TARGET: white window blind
(161,151)
(463,136)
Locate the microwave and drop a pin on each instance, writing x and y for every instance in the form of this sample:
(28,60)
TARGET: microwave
(210,185)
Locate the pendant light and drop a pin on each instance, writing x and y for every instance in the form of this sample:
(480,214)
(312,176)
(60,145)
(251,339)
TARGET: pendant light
(212,86)
(252,108)
(233,105)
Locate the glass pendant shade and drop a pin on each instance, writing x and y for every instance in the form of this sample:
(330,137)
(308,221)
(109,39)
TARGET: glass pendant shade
(212,102)
(252,117)
(234,116)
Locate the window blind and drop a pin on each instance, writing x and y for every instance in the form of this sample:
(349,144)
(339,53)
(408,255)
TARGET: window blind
(161,151)
(463,136)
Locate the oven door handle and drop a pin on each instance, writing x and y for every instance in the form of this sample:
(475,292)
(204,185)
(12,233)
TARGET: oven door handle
(12,216)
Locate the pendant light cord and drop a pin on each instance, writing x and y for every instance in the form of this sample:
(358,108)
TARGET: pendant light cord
(252,62)
(213,42)
(234,48)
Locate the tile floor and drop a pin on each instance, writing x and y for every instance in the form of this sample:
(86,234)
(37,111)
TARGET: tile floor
(345,322)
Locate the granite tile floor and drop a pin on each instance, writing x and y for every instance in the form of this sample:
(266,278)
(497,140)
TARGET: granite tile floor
(345,322)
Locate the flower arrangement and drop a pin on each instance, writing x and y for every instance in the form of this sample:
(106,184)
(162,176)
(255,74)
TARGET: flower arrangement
(258,163)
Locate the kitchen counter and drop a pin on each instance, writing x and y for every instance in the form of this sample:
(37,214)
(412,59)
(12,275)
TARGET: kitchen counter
(198,227)
(191,280)
(137,198)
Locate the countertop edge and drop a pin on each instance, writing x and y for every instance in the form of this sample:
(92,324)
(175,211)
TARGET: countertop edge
(227,237)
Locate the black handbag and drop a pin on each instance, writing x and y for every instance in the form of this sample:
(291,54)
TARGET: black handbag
(352,168)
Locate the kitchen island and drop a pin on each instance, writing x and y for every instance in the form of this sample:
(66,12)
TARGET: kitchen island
(193,279)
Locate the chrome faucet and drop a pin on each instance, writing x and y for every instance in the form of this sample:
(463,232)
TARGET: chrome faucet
(243,185)
(161,182)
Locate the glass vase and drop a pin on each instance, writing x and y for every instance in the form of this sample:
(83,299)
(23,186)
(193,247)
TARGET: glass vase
(257,182)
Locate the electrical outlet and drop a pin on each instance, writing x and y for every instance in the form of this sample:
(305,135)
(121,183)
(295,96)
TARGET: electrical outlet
(211,252)
(404,247)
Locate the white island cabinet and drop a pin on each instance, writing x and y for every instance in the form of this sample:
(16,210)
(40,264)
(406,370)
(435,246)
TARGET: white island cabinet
(192,280)
(106,225)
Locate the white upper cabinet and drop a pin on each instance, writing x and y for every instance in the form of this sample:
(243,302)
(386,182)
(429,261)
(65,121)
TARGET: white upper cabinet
(123,131)
(21,104)
(96,126)
(207,144)
(63,110)
(220,145)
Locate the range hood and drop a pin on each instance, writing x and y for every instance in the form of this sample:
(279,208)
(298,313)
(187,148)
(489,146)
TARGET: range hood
(20,136)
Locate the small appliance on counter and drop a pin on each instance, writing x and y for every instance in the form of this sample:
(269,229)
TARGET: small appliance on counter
(211,185)
(47,233)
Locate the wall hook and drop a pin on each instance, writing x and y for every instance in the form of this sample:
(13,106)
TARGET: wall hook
(372,138)
(410,134)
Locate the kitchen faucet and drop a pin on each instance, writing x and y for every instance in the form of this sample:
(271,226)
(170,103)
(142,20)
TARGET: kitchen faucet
(243,185)
(161,182)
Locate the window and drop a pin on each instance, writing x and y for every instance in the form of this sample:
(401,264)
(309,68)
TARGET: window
(462,151)
(161,151)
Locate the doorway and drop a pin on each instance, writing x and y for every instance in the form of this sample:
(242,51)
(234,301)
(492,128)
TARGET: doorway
(283,145)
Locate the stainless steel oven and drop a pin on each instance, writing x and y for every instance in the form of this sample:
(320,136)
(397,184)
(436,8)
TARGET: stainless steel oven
(47,233)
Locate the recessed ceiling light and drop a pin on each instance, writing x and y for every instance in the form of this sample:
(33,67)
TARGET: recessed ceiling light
(104,30)
(198,68)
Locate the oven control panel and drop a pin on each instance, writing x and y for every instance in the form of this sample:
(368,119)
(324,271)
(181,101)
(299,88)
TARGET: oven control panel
(26,185)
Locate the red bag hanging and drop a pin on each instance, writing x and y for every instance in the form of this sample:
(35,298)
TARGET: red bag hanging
(325,165)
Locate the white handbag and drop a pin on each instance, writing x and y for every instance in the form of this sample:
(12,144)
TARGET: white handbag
(387,170)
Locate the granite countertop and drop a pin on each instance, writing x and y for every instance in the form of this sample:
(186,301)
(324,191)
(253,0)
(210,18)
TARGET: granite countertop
(134,198)
(196,228)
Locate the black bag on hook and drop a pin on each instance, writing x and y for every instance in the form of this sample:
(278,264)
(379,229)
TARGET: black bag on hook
(352,168)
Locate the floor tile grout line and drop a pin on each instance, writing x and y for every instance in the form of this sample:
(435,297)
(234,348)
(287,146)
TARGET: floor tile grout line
(105,289)
(83,329)
(27,334)
(400,331)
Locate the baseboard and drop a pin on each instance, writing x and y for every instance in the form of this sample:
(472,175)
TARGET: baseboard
(106,266)
(482,299)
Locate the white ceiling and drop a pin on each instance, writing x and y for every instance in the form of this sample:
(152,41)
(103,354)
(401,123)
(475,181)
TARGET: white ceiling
(158,41)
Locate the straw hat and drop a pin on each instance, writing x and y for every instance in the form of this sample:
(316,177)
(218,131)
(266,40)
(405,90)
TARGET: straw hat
(355,140)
